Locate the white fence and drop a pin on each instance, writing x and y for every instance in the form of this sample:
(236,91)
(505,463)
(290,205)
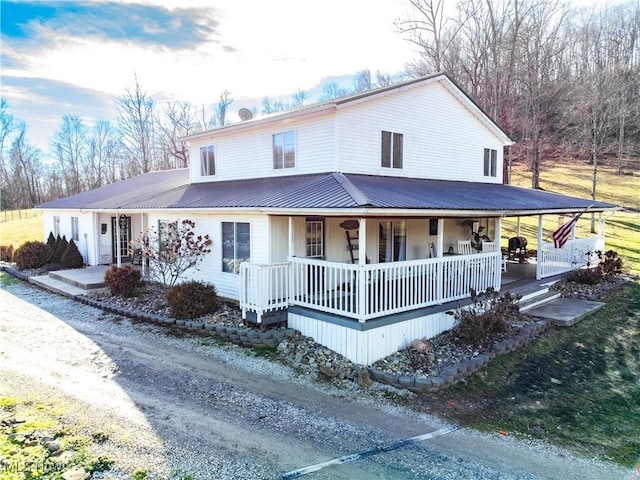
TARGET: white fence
(263,288)
(367,291)
(574,254)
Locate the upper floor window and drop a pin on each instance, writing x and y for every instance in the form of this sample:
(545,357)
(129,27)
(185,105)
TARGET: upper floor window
(391,150)
(236,245)
(75,230)
(490,162)
(208,160)
(284,150)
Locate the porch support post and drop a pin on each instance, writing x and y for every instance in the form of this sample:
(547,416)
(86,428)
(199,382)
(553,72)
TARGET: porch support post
(518,227)
(96,239)
(291,249)
(440,238)
(362,241)
(362,276)
(143,258)
(118,252)
(539,258)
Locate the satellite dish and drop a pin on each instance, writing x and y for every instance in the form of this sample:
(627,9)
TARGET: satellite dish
(245,114)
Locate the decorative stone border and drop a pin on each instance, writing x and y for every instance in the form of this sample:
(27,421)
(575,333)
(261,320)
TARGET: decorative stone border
(454,373)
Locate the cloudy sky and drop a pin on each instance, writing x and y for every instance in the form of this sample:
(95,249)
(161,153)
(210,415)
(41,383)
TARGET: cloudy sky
(78,57)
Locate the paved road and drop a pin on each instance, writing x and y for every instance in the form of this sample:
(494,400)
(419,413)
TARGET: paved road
(182,403)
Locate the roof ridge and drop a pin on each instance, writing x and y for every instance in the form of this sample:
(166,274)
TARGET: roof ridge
(354,192)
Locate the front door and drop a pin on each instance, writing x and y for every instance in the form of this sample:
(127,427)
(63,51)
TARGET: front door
(125,238)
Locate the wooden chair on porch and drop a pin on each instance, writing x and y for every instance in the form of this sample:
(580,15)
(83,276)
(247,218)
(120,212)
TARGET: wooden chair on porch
(464,247)
(489,247)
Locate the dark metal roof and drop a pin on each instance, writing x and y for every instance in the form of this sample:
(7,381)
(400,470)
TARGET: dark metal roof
(120,194)
(328,191)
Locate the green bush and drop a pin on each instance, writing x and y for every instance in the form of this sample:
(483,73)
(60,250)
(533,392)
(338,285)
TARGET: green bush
(192,299)
(72,258)
(6,253)
(61,247)
(123,281)
(31,255)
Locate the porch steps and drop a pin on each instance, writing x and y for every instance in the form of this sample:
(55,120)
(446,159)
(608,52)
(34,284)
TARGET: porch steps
(537,298)
(72,282)
(78,279)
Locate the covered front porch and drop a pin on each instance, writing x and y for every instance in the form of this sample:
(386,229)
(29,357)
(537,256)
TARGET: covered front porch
(361,290)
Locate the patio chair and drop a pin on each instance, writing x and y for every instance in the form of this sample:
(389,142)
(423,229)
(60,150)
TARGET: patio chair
(489,247)
(464,247)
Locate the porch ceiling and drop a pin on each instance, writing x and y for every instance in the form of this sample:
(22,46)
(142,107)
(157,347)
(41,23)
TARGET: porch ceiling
(328,193)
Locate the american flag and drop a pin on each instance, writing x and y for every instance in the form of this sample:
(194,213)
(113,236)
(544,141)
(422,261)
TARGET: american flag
(562,234)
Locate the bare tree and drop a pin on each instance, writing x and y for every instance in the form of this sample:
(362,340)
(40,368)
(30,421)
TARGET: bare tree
(179,120)
(299,98)
(70,144)
(222,106)
(136,120)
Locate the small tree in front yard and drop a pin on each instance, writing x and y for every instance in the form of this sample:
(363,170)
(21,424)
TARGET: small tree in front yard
(172,250)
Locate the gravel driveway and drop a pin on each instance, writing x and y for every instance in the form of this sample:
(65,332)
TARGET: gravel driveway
(178,402)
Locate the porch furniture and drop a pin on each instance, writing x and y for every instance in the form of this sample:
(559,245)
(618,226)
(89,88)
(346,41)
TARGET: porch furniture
(489,247)
(464,247)
(517,248)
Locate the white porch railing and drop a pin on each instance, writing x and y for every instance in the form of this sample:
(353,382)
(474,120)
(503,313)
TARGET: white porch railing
(263,288)
(574,254)
(368,291)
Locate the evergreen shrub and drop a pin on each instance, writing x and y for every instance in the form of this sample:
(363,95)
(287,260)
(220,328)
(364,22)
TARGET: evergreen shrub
(72,258)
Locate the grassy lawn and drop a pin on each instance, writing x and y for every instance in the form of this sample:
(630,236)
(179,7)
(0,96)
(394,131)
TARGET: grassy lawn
(577,387)
(19,227)
(622,229)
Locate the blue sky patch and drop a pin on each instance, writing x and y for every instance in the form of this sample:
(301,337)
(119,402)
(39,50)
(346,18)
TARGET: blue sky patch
(134,23)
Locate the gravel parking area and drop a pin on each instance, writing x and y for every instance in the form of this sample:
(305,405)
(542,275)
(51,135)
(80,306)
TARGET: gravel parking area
(180,404)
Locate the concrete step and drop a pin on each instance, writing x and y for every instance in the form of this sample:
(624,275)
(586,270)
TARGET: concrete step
(57,286)
(86,279)
(537,298)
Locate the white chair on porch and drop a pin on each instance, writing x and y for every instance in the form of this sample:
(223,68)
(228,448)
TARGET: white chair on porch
(489,247)
(464,247)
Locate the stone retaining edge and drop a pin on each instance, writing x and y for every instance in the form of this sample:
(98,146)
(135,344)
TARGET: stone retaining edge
(454,373)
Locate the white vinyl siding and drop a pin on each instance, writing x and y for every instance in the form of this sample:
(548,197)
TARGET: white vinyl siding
(441,136)
(246,154)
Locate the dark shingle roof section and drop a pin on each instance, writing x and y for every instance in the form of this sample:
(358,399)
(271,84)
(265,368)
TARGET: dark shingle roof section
(328,191)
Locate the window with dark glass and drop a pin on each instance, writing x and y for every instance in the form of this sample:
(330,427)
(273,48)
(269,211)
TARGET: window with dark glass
(75,230)
(284,150)
(392,241)
(490,162)
(208,160)
(391,150)
(236,245)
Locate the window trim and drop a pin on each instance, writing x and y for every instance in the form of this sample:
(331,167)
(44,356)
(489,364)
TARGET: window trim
(280,159)
(207,160)
(402,249)
(490,162)
(236,261)
(314,240)
(75,229)
(391,150)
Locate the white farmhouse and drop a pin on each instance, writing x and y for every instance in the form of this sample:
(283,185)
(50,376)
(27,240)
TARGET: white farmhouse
(354,219)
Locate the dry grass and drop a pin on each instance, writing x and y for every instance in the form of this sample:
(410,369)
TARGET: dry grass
(19,226)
